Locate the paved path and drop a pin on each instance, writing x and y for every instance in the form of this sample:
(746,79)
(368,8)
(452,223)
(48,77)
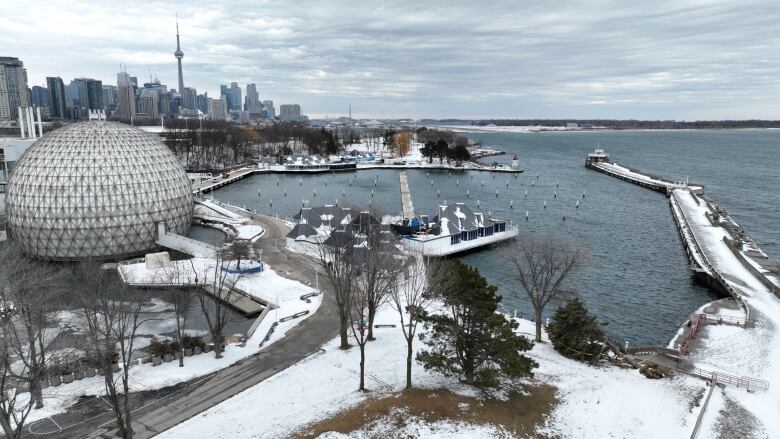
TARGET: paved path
(303,340)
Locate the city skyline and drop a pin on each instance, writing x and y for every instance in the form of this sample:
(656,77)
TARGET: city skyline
(687,60)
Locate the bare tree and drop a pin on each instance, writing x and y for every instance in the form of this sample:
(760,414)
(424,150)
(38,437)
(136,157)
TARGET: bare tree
(28,290)
(111,312)
(423,279)
(221,286)
(179,296)
(340,267)
(541,265)
(180,299)
(379,269)
(238,250)
(358,306)
(13,410)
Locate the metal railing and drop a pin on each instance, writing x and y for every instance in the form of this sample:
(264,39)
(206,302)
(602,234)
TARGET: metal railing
(737,296)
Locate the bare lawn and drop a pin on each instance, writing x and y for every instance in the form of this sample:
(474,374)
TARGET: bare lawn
(520,414)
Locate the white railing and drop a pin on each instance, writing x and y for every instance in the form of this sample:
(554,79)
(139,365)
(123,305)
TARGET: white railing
(736,295)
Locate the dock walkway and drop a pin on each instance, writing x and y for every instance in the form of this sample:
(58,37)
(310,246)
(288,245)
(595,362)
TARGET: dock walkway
(724,257)
(637,177)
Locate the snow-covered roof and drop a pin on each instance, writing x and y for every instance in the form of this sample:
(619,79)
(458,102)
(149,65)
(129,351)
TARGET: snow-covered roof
(456,218)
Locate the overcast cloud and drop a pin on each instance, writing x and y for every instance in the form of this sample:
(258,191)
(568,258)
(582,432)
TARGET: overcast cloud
(620,59)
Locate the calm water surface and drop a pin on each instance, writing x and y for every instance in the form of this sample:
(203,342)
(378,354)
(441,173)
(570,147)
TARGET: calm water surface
(638,278)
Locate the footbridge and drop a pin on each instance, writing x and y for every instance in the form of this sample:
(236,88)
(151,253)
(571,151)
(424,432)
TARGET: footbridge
(184,244)
(673,360)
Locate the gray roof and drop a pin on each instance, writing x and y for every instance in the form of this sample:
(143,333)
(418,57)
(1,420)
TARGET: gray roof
(301,230)
(336,217)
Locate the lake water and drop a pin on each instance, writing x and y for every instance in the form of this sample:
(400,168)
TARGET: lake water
(638,279)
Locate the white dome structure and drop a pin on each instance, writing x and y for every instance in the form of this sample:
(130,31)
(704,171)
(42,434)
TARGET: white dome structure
(96,190)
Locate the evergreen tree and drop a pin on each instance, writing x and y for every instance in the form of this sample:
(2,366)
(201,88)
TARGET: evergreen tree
(459,153)
(442,149)
(575,333)
(429,150)
(471,340)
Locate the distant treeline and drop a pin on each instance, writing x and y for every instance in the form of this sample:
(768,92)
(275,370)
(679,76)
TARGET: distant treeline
(630,124)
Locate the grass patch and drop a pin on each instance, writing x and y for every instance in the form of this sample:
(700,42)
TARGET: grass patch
(520,413)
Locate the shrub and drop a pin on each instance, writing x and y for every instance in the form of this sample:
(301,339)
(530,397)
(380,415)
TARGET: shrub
(575,333)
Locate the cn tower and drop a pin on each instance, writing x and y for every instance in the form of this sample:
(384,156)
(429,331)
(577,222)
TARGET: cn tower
(179,55)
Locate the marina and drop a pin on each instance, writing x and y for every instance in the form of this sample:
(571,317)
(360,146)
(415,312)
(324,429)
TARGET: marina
(608,213)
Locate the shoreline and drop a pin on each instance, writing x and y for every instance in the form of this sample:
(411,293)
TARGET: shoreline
(519,129)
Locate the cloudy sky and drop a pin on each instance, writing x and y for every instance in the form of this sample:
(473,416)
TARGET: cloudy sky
(618,59)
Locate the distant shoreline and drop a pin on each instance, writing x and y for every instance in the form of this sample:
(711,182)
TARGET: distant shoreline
(520,129)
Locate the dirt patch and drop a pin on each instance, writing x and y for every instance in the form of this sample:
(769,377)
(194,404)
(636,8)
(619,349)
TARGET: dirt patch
(520,414)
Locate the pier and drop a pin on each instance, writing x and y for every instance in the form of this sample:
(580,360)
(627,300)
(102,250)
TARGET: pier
(599,161)
(725,258)
(235,175)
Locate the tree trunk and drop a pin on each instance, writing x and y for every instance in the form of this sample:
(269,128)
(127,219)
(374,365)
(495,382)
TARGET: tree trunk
(344,335)
(36,391)
(7,429)
(409,362)
(178,336)
(218,347)
(362,367)
(538,321)
(371,315)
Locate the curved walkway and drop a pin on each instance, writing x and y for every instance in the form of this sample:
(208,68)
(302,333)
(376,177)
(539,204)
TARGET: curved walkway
(301,341)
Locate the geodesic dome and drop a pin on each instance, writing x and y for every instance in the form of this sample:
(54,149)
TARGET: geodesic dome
(96,190)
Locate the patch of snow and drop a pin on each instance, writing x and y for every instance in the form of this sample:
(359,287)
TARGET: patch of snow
(266,284)
(595,402)
(415,427)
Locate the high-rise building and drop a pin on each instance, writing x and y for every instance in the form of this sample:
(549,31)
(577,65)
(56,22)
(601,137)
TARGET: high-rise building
(189,97)
(252,100)
(123,78)
(218,109)
(235,97)
(290,112)
(203,103)
(148,105)
(109,96)
(179,55)
(126,105)
(225,95)
(13,87)
(90,93)
(40,96)
(269,112)
(72,94)
(56,97)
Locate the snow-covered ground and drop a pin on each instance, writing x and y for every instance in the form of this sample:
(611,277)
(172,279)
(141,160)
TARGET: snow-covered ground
(753,352)
(594,402)
(235,225)
(267,284)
